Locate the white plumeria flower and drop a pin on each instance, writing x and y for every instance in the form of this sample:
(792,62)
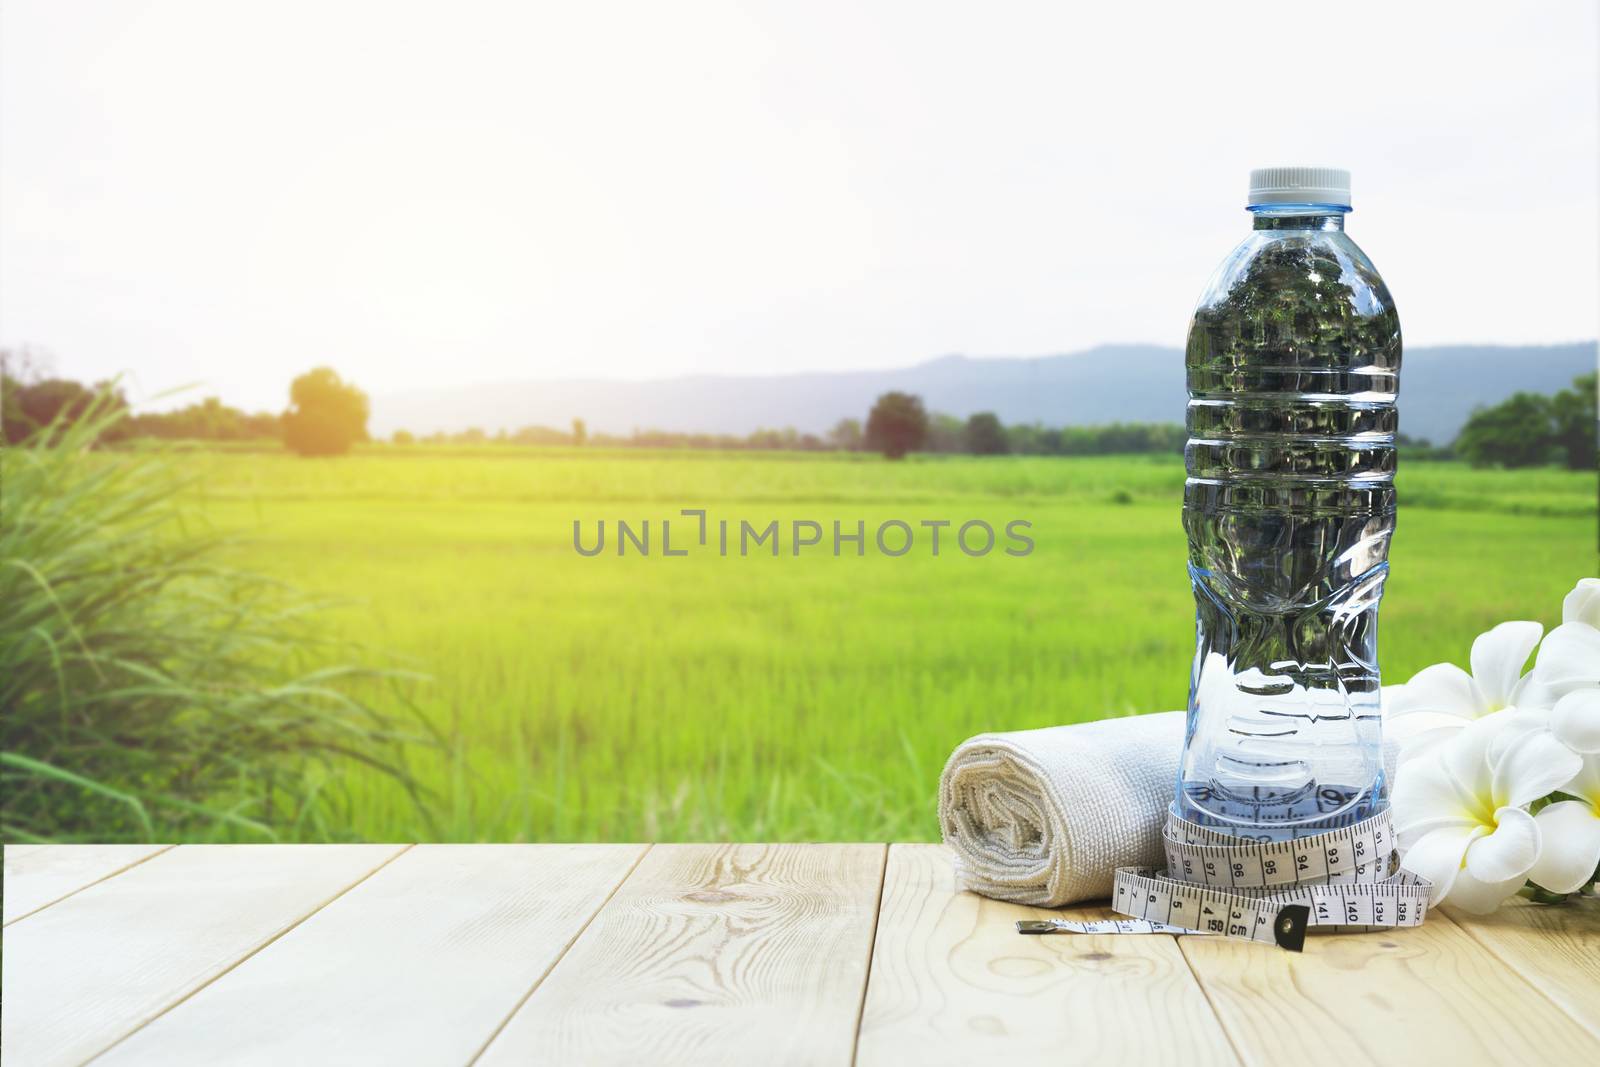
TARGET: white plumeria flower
(1440,700)
(1569,659)
(1573,724)
(1570,833)
(1461,815)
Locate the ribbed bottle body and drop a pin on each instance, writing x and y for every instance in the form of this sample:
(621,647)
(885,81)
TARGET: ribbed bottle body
(1293,362)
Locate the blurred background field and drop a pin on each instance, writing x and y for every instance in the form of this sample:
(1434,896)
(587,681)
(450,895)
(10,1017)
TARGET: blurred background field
(807,697)
(296,416)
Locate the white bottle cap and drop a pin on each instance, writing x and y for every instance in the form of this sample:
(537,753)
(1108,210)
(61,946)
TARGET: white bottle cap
(1300,185)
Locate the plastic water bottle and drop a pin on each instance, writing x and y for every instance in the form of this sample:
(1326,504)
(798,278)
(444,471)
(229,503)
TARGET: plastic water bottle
(1293,366)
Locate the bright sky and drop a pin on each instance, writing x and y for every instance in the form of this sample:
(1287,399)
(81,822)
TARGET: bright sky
(438,193)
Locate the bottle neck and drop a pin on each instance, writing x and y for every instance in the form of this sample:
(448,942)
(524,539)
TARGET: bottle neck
(1299,216)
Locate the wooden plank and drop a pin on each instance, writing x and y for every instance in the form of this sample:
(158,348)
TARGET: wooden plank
(1555,947)
(953,982)
(1425,995)
(421,963)
(39,875)
(83,973)
(713,954)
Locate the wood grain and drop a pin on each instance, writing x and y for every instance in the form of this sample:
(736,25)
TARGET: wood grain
(39,875)
(84,972)
(746,954)
(761,954)
(1555,947)
(421,963)
(953,982)
(1430,994)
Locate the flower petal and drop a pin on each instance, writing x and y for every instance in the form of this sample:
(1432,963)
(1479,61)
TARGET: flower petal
(1525,764)
(1513,726)
(1586,783)
(1419,734)
(1569,831)
(1443,687)
(1583,603)
(1569,658)
(1497,659)
(1423,744)
(1533,692)
(1426,798)
(1437,856)
(1412,724)
(1479,897)
(1509,851)
(1575,720)
(1466,757)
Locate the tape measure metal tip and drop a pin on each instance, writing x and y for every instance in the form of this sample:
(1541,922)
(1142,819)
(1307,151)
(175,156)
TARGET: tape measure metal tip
(1034,926)
(1289,928)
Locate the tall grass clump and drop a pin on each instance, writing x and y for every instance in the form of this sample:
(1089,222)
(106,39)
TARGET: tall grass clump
(146,691)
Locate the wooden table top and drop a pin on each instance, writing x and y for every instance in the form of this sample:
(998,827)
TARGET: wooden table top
(703,954)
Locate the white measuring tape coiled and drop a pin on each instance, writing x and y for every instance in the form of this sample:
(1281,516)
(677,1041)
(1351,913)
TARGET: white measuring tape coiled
(1271,891)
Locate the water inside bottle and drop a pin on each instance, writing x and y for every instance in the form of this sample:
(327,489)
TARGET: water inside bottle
(1293,360)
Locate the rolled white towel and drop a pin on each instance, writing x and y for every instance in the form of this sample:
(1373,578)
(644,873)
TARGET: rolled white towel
(1044,817)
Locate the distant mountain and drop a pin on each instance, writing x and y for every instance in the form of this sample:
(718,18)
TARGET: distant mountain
(1111,383)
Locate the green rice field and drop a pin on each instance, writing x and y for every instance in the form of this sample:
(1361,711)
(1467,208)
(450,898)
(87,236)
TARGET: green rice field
(798,697)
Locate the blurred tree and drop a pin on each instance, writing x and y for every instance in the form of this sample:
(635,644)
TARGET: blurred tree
(946,434)
(897,425)
(209,420)
(17,370)
(28,406)
(1033,439)
(15,426)
(326,414)
(540,435)
(41,402)
(785,439)
(403,437)
(1577,419)
(580,432)
(846,434)
(1518,432)
(985,436)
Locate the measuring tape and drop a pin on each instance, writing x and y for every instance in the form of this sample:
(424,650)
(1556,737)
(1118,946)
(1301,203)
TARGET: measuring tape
(1216,883)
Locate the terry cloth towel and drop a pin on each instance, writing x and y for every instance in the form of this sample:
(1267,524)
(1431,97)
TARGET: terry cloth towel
(1045,817)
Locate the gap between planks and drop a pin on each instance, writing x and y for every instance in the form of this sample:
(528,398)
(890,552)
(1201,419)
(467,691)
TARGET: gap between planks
(1435,992)
(1205,992)
(415,965)
(1561,975)
(872,950)
(770,945)
(573,940)
(235,964)
(152,854)
(953,982)
(105,961)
